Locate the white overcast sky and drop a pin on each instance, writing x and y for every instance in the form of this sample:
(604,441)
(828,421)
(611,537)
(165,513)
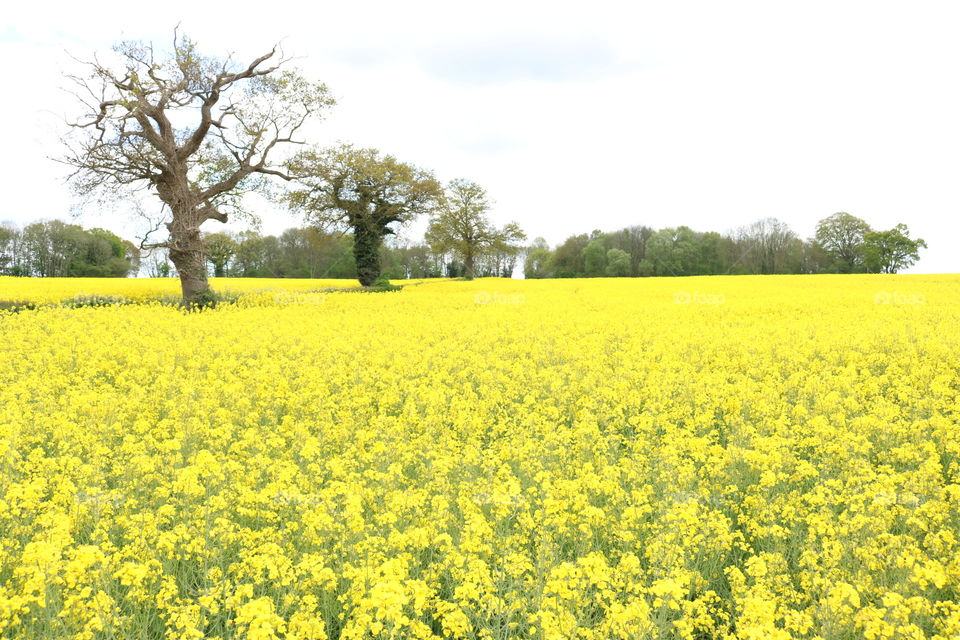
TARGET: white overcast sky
(574,116)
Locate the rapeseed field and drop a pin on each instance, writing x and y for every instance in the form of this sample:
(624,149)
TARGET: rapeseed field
(693,458)
(46,291)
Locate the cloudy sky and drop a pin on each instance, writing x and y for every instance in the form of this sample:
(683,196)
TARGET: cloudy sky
(574,116)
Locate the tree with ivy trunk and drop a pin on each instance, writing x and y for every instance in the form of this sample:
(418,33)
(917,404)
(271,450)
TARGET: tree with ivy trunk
(362,190)
(196,131)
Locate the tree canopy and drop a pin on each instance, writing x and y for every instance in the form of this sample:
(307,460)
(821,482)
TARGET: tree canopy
(57,249)
(892,250)
(461,227)
(841,236)
(844,244)
(363,190)
(195,131)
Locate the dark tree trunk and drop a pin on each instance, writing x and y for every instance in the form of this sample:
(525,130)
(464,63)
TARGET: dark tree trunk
(468,265)
(186,254)
(366,252)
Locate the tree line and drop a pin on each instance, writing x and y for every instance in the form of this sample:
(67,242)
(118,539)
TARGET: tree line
(461,242)
(310,252)
(57,249)
(843,243)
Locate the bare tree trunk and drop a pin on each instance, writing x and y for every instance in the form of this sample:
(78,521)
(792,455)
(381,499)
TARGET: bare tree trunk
(468,265)
(186,254)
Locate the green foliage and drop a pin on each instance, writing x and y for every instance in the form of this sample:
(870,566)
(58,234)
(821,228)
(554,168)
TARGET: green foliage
(538,260)
(382,284)
(411,261)
(94,300)
(675,252)
(645,268)
(209,299)
(594,258)
(567,259)
(890,251)
(296,253)
(841,237)
(618,263)
(844,244)
(219,249)
(364,191)
(16,306)
(57,249)
(461,227)
(367,240)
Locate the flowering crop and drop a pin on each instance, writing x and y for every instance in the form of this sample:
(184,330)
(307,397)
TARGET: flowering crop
(56,290)
(718,457)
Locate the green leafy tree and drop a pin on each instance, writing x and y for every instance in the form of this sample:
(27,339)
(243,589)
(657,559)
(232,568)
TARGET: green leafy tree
(632,240)
(674,252)
(57,249)
(461,226)
(841,236)
(219,249)
(538,259)
(890,251)
(618,263)
(364,191)
(595,258)
(250,257)
(54,248)
(9,248)
(107,256)
(567,259)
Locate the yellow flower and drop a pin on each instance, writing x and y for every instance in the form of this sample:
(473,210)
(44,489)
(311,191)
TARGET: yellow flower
(598,461)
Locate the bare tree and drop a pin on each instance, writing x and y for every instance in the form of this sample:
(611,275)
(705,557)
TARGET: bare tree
(196,131)
(768,243)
